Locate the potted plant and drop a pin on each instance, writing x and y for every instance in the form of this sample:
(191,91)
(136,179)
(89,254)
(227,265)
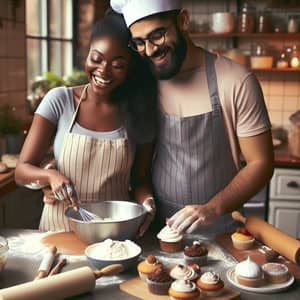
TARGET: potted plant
(11,130)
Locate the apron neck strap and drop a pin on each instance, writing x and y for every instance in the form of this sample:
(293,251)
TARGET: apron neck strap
(82,98)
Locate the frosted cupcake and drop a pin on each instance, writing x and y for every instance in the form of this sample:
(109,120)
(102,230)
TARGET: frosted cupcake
(183,289)
(184,272)
(249,273)
(195,254)
(242,239)
(147,266)
(210,284)
(159,282)
(170,240)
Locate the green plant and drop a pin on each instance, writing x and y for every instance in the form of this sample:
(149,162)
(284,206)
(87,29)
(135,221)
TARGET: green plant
(9,122)
(76,78)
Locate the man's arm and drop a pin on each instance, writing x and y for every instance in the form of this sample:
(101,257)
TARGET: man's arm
(258,154)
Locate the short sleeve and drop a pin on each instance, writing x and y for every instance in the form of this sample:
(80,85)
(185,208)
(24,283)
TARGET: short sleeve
(252,115)
(53,104)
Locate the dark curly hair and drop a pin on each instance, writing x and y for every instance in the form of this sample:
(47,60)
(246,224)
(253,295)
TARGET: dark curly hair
(137,97)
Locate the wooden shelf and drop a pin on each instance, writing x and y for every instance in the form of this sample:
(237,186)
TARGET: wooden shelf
(275,69)
(279,35)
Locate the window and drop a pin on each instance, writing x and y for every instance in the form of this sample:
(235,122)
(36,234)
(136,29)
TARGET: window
(49,36)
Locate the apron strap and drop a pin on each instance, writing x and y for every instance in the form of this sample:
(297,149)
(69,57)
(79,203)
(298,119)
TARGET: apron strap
(82,97)
(211,77)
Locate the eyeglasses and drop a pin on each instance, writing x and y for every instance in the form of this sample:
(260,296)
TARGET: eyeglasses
(156,38)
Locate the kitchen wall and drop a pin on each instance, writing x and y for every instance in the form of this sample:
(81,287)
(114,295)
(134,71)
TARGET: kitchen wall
(281,89)
(13,55)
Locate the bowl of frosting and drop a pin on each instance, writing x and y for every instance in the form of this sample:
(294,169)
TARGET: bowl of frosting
(111,252)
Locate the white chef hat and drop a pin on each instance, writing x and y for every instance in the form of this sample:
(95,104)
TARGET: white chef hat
(134,10)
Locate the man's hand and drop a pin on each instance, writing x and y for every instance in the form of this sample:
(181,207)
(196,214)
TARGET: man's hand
(192,217)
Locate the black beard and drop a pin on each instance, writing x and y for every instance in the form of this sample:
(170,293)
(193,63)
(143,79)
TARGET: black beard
(169,70)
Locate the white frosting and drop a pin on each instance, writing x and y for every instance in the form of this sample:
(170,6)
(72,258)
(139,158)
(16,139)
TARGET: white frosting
(181,285)
(183,272)
(210,277)
(167,234)
(248,268)
(113,250)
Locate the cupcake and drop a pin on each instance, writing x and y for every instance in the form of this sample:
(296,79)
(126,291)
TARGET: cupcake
(210,284)
(276,272)
(170,240)
(195,254)
(249,273)
(242,239)
(159,282)
(184,272)
(149,265)
(183,289)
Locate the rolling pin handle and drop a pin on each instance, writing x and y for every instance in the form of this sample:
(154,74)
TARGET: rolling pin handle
(238,217)
(109,270)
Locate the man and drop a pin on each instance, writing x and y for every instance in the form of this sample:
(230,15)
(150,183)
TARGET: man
(212,110)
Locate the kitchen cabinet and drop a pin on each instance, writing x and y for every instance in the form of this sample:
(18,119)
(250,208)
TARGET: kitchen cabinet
(21,208)
(284,201)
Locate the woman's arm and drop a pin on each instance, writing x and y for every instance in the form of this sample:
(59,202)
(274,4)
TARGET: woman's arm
(141,182)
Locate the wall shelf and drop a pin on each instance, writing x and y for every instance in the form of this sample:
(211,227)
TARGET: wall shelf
(275,69)
(279,35)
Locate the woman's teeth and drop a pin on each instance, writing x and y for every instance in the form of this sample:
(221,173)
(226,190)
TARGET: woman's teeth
(101,80)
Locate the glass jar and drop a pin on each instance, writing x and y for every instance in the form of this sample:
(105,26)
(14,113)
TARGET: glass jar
(293,25)
(264,22)
(295,58)
(246,19)
(282,62)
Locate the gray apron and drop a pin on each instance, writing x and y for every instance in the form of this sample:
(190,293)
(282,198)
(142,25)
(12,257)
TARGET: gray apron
(193,160)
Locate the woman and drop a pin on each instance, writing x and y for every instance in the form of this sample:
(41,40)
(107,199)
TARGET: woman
(102,132)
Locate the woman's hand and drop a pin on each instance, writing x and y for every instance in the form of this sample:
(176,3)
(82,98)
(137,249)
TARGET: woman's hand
(149,205)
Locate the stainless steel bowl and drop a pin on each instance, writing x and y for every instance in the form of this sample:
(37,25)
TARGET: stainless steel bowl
(126,219)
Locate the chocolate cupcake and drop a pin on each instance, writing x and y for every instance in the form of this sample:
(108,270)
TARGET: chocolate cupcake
(195,254)
(159,282)
(170,240)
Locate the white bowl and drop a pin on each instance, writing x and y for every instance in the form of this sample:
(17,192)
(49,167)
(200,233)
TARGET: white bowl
(96,255)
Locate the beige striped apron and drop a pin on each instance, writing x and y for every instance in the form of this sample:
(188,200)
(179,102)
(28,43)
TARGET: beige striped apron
(98,168)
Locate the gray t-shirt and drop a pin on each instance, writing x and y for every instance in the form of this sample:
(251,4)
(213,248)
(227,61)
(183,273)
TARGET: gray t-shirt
(58,107)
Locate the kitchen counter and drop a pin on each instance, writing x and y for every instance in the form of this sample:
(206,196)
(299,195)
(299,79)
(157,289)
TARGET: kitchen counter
(21,267)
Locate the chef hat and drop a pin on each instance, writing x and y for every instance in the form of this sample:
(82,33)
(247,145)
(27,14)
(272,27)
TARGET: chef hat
(134,10)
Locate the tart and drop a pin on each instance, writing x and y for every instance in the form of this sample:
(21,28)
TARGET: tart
(184,272)
(210,284)
(159,282)
(195,254)
(147,266)
(276,272)
(170,240)
(248,273)
(183,289)
(242,239)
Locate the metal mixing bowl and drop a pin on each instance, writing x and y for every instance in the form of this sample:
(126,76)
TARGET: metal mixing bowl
(126,219)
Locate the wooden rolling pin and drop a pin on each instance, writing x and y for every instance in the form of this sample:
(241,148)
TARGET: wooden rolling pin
(60,286)
(271,236)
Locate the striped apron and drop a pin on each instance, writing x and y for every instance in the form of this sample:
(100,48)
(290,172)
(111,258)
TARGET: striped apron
(99,169)
(193,160)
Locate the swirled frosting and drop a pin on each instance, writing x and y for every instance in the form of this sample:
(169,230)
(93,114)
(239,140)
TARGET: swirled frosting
(210,277)
(183,285)
(183,272)
(167,234)
(248,268)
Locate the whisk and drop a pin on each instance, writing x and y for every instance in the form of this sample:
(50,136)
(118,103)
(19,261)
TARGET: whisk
(86,215)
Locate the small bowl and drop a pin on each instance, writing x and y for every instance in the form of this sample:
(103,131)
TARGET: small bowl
(3,252)
(125,220)
(93,252)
